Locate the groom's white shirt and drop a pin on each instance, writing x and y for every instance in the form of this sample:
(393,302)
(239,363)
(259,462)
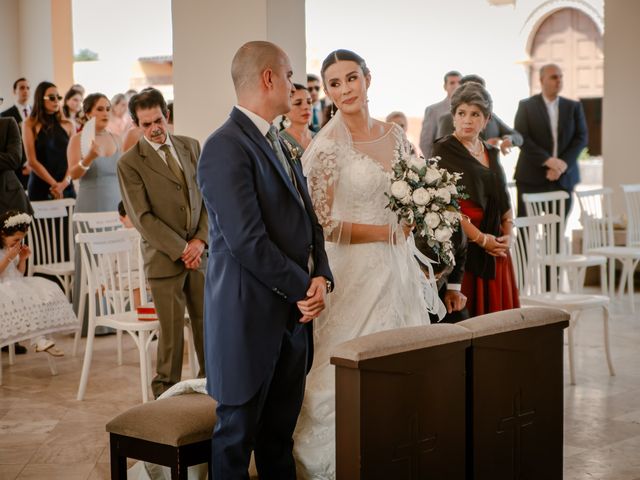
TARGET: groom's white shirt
(262,125)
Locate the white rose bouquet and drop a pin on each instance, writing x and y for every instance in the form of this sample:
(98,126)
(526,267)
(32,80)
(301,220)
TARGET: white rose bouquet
(426,196)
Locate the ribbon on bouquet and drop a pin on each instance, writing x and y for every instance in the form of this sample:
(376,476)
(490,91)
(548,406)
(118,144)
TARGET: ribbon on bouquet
(431,295)
(429,285)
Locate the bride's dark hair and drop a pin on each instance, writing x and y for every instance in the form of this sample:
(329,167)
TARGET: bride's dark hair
(343,55)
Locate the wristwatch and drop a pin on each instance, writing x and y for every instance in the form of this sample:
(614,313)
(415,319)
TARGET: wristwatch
(329,284)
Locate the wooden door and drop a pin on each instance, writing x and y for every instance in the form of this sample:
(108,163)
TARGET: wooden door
(570,39)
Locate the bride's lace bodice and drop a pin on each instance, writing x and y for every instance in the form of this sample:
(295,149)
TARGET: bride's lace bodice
(348,182)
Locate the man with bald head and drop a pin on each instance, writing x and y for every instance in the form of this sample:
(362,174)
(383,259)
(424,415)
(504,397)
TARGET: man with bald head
(554,133)
(267,275)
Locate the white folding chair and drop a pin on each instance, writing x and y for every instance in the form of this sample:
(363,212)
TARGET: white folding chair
(51,240)
(534,251)
(597,221)
(574,266)
(632,200)
(107,259)
(92,222)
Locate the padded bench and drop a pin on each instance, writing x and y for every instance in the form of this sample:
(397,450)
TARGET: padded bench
(174,432)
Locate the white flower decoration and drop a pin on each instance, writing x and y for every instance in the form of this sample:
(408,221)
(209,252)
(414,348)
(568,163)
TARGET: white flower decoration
(19,219)
(444,194)
(432,219)
(421,197)
(416,162)
(443,233)
(400,189)
(432,175)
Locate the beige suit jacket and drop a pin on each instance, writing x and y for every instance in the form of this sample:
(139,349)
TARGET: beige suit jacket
(156,205)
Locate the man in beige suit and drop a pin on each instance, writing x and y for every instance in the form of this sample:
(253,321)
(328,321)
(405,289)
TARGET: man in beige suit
(159,191)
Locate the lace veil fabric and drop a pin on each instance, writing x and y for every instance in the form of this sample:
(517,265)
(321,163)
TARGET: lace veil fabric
(339,205)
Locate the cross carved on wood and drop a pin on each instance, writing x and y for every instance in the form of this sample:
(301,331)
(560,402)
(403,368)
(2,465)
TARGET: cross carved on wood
(415,448)
(514,423)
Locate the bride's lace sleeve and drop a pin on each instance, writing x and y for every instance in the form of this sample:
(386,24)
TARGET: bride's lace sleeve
(322,177)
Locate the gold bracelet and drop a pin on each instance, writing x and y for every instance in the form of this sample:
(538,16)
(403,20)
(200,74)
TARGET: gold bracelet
(484,240)
(475,240)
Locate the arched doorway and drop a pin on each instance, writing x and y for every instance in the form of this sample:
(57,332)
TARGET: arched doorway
(571,39)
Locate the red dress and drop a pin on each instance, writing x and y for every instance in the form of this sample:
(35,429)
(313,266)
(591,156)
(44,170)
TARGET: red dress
(489,282)
(489,295)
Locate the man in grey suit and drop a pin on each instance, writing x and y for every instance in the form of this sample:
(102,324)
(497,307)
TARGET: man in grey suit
(496,133)
(433,113)
(159,191)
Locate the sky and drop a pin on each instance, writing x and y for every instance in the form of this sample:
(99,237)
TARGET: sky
(408,44)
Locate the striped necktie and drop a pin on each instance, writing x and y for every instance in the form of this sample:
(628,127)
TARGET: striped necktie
(272,135)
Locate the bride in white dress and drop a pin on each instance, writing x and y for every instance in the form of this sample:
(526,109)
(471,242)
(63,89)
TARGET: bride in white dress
(379,285)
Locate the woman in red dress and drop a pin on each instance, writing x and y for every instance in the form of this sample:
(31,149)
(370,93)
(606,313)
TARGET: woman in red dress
(489,280)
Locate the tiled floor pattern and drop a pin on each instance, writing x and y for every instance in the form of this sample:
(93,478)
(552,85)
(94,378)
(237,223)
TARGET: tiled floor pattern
(46,434)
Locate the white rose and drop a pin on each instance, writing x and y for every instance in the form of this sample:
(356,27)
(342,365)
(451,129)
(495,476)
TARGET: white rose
(451,216)
(444,194)
(416,162)
(400,189)
(411,175)
(432,219)
(443,234)
(421,209)
(421,196)
(452,189)
(432,175)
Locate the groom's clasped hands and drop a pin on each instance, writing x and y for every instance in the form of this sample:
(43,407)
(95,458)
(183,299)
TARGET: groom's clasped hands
(313,304)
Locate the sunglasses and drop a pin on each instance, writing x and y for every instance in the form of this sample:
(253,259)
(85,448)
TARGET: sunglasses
(53,98)
(316,88)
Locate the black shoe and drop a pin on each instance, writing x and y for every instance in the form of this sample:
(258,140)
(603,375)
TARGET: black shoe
(20,350)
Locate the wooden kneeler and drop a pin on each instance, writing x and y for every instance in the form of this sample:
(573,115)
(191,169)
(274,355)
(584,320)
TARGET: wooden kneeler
(174,432)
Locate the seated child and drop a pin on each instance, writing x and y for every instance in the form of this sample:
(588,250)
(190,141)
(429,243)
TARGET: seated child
(28,304)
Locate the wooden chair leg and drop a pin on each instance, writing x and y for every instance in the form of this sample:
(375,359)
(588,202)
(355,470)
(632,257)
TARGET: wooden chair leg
(118,463)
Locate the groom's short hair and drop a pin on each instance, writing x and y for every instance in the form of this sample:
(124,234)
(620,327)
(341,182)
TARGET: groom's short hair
(251,60)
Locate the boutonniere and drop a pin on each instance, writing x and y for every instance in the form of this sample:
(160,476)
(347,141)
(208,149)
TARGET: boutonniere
(294,151)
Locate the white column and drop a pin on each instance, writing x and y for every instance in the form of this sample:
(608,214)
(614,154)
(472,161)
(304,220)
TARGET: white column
(37,43)
(621,103)
(9,52)
(206,35)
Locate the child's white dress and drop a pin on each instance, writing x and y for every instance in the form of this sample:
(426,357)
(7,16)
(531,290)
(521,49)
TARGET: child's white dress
(31,306)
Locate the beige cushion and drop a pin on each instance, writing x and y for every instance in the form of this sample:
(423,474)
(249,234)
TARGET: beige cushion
(510,320)
(174,421)
(395,341)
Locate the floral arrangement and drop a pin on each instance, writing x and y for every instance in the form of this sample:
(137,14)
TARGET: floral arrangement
(427,196)
(15,220)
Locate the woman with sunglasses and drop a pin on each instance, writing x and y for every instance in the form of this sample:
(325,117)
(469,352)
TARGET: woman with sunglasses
(45,135)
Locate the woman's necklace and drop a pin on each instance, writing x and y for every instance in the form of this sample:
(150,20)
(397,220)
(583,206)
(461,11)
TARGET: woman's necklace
(477,153)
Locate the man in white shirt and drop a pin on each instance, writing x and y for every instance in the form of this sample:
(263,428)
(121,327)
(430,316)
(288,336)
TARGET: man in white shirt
(317,104)
(433,113)
(19,112)
(554,132)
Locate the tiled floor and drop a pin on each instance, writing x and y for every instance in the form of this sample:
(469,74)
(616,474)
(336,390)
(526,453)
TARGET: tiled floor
(46,434)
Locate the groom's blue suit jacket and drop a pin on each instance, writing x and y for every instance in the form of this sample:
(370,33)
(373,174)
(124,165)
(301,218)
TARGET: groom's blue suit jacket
(261,233)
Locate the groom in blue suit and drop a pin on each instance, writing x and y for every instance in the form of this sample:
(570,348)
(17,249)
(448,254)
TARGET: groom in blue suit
(267,276)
